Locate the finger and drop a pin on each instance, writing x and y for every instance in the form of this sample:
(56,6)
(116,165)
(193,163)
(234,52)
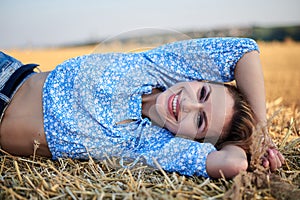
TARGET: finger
(281,158)
(278,161)
(272,159)
(265,163)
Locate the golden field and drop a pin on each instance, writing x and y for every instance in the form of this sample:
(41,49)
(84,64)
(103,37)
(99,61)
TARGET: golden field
(41,178)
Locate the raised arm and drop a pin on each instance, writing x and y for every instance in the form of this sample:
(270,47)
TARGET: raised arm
(212,59)
(250,80)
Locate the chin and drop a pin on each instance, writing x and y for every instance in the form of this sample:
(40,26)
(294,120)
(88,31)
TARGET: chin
(172,129)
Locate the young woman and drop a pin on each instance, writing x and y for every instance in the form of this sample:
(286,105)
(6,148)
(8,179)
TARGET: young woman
(133,105)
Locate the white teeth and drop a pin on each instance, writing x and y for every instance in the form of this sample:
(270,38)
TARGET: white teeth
(174,105)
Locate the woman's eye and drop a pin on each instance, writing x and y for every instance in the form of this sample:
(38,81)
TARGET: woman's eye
(200,120)
(203,94)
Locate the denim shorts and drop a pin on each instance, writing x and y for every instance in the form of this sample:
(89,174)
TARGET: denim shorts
(12,74)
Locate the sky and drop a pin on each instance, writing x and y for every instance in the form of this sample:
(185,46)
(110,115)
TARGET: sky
(48,23)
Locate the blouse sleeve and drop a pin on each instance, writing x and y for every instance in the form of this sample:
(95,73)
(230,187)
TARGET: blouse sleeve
(212,59)
(175,154)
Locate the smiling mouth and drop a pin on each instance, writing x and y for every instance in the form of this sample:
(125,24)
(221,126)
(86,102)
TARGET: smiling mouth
(174,105)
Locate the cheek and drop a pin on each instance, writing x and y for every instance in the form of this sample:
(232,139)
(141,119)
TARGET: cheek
(186,128)
(160,105)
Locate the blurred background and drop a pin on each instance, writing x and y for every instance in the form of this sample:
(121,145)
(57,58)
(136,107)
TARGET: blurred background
(48,32)
(45,23)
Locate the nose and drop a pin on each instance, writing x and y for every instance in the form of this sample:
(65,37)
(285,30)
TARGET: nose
(188,106)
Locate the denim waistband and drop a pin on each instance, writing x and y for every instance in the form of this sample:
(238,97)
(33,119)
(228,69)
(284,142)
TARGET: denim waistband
(12,75)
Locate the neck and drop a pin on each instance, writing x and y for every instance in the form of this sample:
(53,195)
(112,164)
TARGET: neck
(148,103)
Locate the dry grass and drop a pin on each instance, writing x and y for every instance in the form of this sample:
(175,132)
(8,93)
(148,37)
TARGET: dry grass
(40,178)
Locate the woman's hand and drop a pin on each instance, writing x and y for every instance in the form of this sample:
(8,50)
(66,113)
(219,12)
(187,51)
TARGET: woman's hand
(273,159)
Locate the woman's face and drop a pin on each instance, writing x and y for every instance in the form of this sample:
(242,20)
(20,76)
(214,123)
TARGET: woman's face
(195,109)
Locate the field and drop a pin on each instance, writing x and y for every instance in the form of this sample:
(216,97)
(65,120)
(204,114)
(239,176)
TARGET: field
(40,178)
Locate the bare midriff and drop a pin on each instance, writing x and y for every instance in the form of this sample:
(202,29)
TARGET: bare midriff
(22,129)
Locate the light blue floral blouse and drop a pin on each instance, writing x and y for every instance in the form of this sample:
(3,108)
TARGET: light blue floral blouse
(85,97)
